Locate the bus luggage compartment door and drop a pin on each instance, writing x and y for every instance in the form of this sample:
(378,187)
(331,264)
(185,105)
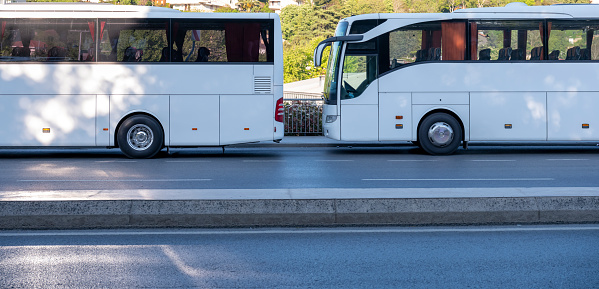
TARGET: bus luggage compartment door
(508,116)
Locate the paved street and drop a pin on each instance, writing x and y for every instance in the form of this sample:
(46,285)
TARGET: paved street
(272,167)
(386,257)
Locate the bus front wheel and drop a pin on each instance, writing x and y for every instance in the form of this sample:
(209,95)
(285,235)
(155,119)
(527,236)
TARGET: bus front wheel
(440,134)
(140,136)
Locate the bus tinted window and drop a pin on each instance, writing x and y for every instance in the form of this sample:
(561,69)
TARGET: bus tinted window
(223,41)
(124,40)
(433,41)
(573,40)
(137,40)
(507,40)
(47,40)
(415,43)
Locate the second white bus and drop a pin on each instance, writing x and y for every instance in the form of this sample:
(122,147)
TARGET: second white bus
(513,73)
(138,78)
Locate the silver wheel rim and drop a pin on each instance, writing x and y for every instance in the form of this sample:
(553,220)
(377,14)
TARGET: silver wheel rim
(140,137)
(440,134)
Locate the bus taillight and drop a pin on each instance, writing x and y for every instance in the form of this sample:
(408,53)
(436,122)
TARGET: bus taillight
(279,110)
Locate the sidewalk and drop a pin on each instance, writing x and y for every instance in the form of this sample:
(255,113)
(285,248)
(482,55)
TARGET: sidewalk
(296,207)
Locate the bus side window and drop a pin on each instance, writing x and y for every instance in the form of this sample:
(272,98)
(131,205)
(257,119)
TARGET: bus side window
(222,40)
(37,40)
(130,40)
(574,40)
(415,43)
(507,39)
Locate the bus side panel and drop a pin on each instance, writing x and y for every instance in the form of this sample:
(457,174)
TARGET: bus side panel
(194,120)
(395,116)
(359,122)
(103,120)
(360,115)
(573,115)
(154,105)
(47,120)
(508,116)
(246,118)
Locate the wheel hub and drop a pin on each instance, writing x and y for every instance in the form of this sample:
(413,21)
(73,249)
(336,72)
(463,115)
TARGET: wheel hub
(440,134)
(140,137)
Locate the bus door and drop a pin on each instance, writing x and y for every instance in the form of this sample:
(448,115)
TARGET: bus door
(358,96)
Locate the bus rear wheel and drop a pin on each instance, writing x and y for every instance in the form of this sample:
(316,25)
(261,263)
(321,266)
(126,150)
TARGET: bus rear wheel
(440,134)
(140,136)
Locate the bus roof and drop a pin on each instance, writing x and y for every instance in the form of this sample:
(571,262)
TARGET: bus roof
(105,10)
(515,10)
(572,10)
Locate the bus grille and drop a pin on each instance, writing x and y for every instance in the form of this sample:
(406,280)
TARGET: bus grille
(262,84)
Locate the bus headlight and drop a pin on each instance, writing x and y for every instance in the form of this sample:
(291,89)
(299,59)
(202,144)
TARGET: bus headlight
(331,118)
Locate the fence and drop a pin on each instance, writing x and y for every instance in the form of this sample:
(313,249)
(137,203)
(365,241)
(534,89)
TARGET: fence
(303,113)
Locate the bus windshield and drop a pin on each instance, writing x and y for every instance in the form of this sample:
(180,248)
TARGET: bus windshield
(330,84)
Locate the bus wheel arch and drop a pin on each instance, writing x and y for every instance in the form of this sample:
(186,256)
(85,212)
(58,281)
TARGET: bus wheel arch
(440,132)
(139,135)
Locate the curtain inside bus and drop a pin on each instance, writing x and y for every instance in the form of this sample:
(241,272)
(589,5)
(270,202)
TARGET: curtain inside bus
(454,40)
(243,42)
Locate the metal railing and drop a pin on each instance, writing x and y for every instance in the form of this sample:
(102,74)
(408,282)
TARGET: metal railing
(303,113)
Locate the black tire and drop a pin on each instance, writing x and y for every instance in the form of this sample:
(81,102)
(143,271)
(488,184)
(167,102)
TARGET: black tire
(140,136)
(445,134)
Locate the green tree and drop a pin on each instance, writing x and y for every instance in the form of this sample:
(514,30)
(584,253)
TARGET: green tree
(304,26)
(298,61)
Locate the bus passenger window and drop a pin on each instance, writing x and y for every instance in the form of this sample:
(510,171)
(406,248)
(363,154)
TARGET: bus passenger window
(507,39)
(130,40)
(221,40)
(574,40)
(415,43)
(40,40)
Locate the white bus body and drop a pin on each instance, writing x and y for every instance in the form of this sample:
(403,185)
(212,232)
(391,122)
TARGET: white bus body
(148,87)
(513,73)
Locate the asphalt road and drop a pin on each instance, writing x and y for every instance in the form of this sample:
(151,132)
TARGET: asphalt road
(273,167)
(426,257)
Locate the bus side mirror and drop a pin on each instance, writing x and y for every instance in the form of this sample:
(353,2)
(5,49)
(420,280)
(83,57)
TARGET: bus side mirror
(317,57)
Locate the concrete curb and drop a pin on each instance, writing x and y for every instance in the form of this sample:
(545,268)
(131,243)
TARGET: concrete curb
(79,214)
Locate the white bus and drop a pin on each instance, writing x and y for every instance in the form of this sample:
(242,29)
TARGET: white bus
(513,73)
(138,78)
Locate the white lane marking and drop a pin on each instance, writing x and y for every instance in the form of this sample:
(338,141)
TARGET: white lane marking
(412,160)
(115,161)
(334,160)
(264,161)
(492,160)
(473,180)
(551,160)
(188,161)
(148,180)
(304,231)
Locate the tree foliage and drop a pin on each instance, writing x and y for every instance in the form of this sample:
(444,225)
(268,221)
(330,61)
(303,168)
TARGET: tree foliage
(304,26)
